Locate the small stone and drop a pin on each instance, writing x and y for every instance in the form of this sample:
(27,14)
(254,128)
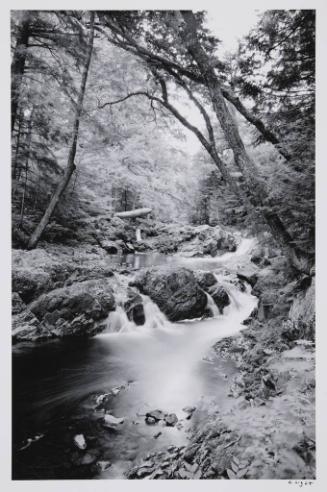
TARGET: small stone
(171,419)
(185,474)
(101,398)
(189,409)
(268,382)
(156,414)
(117,389)
(79,441)
(231,474)
(150,420)
(190,452)
(191,468)
(88,459)
(111,421)
(145,469)
(242,473)
(103,465)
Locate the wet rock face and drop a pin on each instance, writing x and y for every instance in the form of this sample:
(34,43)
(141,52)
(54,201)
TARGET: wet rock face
(208,282)
(77,310)
(134,307)
(249,277)
(175,291)
(220,296)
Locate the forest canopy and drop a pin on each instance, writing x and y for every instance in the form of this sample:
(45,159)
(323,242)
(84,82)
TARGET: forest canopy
(104,103)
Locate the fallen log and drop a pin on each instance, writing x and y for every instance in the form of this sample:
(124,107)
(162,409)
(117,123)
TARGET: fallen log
(131,214)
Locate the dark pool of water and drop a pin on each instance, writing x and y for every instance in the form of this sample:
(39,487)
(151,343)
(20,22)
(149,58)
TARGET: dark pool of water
(54,391)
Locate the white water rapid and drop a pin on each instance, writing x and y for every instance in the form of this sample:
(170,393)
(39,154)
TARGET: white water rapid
(166,358)
(160,365)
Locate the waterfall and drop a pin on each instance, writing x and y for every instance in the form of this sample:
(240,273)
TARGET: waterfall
(154,318)
(211,305)
(118,321)
(138,235)
(232,291)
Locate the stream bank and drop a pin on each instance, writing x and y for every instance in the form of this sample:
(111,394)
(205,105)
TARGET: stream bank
(268,430)
(237,391)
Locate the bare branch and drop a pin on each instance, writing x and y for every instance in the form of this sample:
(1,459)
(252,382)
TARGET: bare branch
(126,42)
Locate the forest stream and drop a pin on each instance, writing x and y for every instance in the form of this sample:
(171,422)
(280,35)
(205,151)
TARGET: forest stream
(160,365)
(163,244)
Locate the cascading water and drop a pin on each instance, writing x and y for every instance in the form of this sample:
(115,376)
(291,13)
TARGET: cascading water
(160,365)
(118,321)
(211,306)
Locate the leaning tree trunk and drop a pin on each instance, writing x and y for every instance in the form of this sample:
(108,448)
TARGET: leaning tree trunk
(256,189)
(18,65)
(62,185)
(132,214)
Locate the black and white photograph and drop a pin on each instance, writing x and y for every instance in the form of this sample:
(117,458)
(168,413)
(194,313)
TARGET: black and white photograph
(163,244)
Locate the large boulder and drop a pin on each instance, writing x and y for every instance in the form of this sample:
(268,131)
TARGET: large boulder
(25,326)
(77,310)
(174,290)
(205,279)
(220,296)
(41,270)
(134,307)
(29,283)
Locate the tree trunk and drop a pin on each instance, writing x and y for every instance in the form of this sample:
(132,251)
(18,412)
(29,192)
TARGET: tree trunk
(247,167)
(15,160)
(139,212)
(27,157)
(18,65)
(62,185)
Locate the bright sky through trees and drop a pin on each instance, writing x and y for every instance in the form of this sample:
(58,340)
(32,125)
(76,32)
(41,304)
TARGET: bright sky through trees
(229,28)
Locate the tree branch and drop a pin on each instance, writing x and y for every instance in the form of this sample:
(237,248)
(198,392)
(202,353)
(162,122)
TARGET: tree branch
(127,43)
(257,122)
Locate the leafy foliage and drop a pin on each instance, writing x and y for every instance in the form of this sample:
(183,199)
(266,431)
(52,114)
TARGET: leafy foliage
(134,154)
